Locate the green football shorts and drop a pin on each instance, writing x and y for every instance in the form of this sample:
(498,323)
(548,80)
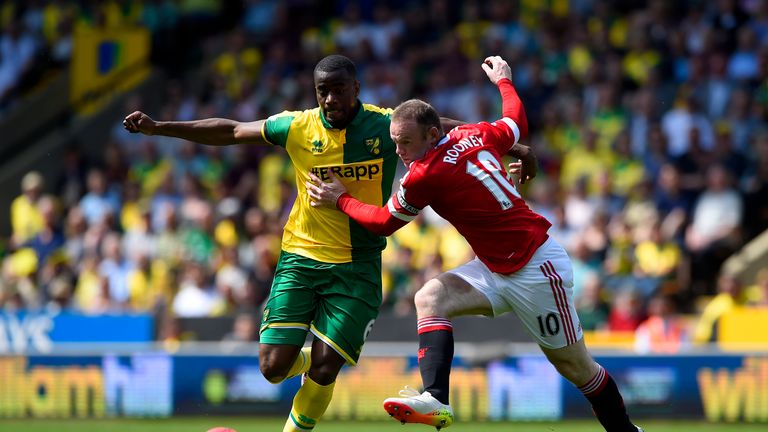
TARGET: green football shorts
(337,302)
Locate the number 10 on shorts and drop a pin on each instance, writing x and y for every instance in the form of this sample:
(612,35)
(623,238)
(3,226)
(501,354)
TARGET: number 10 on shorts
(549,325)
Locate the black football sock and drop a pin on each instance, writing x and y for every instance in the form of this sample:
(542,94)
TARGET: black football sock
(607,403)
(435,355)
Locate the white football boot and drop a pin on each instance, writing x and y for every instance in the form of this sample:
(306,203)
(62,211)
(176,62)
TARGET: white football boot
(415,407)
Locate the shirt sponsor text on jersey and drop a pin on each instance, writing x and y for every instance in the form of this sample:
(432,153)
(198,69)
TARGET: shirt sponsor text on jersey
(357,172)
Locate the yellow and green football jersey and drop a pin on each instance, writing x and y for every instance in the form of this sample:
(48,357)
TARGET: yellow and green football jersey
(362,156)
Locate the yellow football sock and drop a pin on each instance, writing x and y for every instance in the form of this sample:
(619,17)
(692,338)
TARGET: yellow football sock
(309,405)
(301,364)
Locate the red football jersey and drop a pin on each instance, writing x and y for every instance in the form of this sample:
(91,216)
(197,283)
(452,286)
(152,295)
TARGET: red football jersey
(464,181)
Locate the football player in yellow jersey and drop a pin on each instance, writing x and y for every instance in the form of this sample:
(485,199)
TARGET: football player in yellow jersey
(328,278)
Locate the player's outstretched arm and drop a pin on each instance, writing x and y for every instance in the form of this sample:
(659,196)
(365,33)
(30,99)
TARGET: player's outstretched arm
(499,73)
(333,194)
(212,131)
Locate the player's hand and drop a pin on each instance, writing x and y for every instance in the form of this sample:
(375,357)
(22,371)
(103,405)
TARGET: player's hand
(525,169)
(137,121)
(324,194)
(496,68)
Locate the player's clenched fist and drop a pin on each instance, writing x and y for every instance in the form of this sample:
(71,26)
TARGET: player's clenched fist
(496,68)
(137,121)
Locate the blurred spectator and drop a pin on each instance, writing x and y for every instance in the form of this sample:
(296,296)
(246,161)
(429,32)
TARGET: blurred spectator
(170,246)
(230,280)
(729,295)
(673,204)
(147,169)
(714,232)
(618,252)
(561,231)
(583,163)
(148,285)
(196,298)
(169,332)
(18,47)
(717,88)
(605,199)
(578,208)
(245,330)
(678,122)
(654,155)
(99,204)
(385,31)
(742,124)
(197,235)
(115,270)
(743,65)
(642,117)
(591,306)
(626,311)
(656,258)
(74,231)
(71,184)
(259,16)
(640,206)
(26,220)
(724,153)
(91,291)
(238,66)
(757,294)
(626,171)
(641,57)
(50,239)
(663,331)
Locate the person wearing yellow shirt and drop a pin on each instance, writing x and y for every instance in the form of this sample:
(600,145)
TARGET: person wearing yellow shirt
(627,170)
(608,120)
(26,220)
(641,59)
(729,296)
(757,294)
(584,161)
(656,256)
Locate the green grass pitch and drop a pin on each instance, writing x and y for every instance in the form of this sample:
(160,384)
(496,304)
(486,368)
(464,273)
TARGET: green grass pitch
(248,424)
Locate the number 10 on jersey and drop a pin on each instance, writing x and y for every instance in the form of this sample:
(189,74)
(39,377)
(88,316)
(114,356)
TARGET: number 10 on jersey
(489,174)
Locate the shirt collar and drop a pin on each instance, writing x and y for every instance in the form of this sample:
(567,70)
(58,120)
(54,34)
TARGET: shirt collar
(355,120)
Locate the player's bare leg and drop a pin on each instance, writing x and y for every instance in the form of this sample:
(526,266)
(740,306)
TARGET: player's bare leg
(438,300)
(576,365)
(275,361)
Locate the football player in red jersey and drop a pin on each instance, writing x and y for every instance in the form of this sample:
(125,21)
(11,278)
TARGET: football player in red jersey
(518,266)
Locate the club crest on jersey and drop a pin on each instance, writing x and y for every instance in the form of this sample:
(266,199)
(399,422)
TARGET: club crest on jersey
(373,145)
(318,147)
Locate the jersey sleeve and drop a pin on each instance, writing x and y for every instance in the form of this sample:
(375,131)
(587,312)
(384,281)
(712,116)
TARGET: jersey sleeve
(276,128)
(410,198)
(388,219)
(513,125)
(375,219)
(499,135)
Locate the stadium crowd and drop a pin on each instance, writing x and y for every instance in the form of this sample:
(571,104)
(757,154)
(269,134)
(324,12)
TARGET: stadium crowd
(648,119)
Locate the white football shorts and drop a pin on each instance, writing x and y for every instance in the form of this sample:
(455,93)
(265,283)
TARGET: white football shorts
(541,294)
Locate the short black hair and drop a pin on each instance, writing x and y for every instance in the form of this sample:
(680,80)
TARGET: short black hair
(419,111)
(335,62)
